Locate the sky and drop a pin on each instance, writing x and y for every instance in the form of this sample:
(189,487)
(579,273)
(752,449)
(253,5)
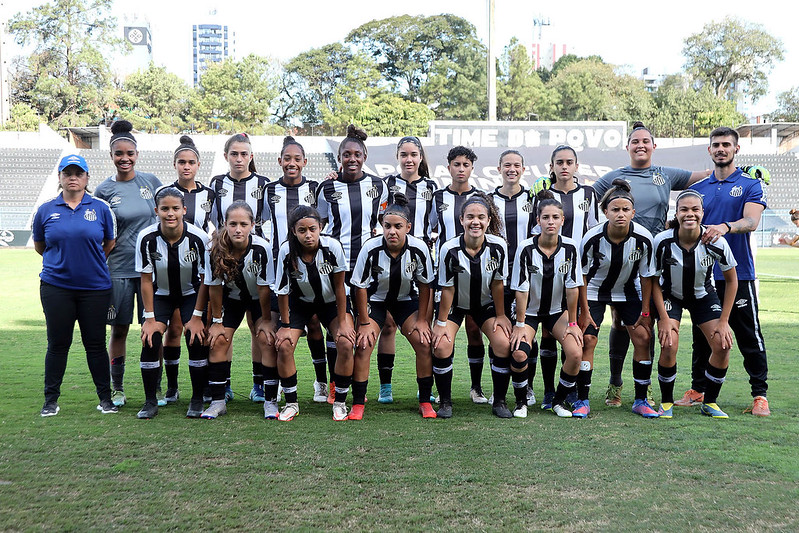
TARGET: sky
(633,35)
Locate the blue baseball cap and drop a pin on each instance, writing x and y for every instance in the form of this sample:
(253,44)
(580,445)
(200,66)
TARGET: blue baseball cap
(70,160)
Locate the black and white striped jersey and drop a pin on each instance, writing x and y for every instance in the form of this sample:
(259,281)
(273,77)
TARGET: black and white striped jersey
(546,278)
(256,268)
(199,203)
(688,274)
(518,217)
(176,268)
(613,271)
(281,199)
(420,202)
(580,211)
(392,279)
(445,215)
(311,282)
(250,189)
(351,210)
(472,276)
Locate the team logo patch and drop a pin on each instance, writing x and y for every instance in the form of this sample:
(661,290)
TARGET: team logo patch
(259,222)
(533,269)
(635,255)
(394,189)
(253,267)
(736,191)
(670,261)
(309,198)
(115,201)
(584,205)
(295,274)
(275,199)
(706,261)
(715,307)
(374,192)
(743,302)
(112,313)
(190,256)
(206,206)
(426,195)
(90,215)
(336,196)
(458,268)
(443,207)
(411,267)
(54,216)
(222,192)
(145,193)
(325,268)
(599,256)
(377,269)
(528,207)
(658,179)
(492,264)
(667,305)
(564,267)
(156,255)
(258,193)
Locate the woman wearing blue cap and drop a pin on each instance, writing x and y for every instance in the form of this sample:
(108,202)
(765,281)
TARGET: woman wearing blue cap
(74,233)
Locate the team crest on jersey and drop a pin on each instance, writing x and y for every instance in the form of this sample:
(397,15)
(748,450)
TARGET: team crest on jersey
(90,215)
(377,269)
(190,256)
(635,255)
(275,199)
(443,207)
(206,206)
(528,207)
(145,193)
(426,195)
(706,261)
(374,192)
(658,179)
(112,313)
(325,268)
(667,305)
(564,267)
(492,264)
(222,192)
(253,267)
(411,267)
(258,193)
(156,255)
(309,198)
(115,201)
(716,307)
(336,196)
(743,302)
(585,205)
(736,191)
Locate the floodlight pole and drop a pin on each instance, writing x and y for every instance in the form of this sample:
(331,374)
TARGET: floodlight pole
(492,64)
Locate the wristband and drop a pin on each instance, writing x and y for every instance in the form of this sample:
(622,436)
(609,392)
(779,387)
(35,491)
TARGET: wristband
(148,314)
(441,323)
(520,324)
(645,315)
(729,228)
(197,312)
(572,324)
(216,320)
(364,323)
(283,325)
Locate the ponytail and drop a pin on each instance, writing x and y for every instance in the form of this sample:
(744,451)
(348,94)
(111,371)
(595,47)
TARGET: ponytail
(241,138)
(297,214)
(494,217)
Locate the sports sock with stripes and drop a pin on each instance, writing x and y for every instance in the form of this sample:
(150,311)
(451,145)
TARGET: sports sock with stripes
(666,375)
(290,388)
(715,379)
(566,385)
(171,365)
(442,372)
(271,380)
(317,349)
(342,386)
(198,369)
(476,356)
(642,375)
(618,344)
(385,367)
(500,376)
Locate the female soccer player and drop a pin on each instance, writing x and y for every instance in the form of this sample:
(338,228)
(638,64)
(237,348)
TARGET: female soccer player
(171,258)
(546,277)
(392,275)
(795,219)
(239,272)
(684,265)
(282,196)
(130,195)
(617,265)
(471,272)
(309,282)
(241,183)
(414,182)
(74,234)
(198,198)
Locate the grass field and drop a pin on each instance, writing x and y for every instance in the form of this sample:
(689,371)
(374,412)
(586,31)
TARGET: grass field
(393,471)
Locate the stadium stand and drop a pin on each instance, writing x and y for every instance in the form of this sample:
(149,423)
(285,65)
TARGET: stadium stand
(783,193)
(23,172)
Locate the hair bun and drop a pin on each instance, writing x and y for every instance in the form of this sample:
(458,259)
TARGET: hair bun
(185,139)
(121,126)
(638,124)
(288,139)
(356,132)
(621,183)
(544,194)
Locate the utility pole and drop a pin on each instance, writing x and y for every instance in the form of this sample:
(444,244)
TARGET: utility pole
(5,107)
(492,64)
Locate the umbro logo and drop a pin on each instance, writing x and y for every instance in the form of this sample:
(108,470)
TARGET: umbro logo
(443,207)
(275,199)
(743,302)
(715,307)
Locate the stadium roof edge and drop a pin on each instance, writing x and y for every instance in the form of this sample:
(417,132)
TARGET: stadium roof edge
(783,129)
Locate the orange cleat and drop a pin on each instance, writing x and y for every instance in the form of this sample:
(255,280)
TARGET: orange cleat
(759,407)
(331,396)
(426,410)
(356,412)
(691,397)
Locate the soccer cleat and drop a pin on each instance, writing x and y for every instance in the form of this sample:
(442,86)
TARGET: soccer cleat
(118,397)
(642,407)
(444,409)
(50,409)
(172,395)
(107,407)
(691,397)
(571,398)
(257,393)
(331,395)
(433,399)
(319,392)
(759,407)
(500,410)
(613,396)
(650,399)
(195,409)
(546,405)
(356,413)
(581,409)
(159,395)
(385,394)
(560,410)
(148,411)
(666,410)
(229,394)
(521,410)
(477,396)
(530,396)
(426,410)
(215,410)
(271,410)
(712,410)
(289,411)
(339,411)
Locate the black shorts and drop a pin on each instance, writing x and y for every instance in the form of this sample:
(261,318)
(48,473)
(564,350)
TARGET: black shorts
(124,291)
(548,321)
(274,306)
(400,311)
(702,310)
(629,311)
(479,315)
(164,307)
(234,311)
(300,313)
(509,303)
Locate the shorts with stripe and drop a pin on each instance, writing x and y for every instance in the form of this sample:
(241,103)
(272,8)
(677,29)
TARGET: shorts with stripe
(400,311)
(234,311)
(702,310)
(164,307)
(629,311)
(123,292)
(547,321)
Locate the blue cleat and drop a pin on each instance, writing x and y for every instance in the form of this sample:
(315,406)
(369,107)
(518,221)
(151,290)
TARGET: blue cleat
(642,407)
(546,404)
(666,410)
(256,394)
(712,410)
(581,409)
(385,394)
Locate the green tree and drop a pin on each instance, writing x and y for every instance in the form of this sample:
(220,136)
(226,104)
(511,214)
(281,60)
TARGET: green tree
(389,115)
(787,106)
(520,92)
(66,78)
(23,118)
(155,100)
(733,57)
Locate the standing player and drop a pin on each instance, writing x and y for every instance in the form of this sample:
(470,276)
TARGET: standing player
(130,195)
(683,263)
(445,220)
(198,198)
(733,206)
(171,258)
(472,269)
(414,182)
